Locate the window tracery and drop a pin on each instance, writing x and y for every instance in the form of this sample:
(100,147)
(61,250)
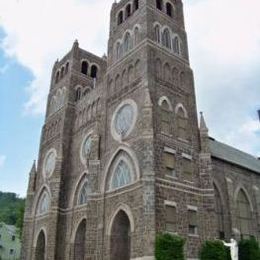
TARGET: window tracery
(43,204)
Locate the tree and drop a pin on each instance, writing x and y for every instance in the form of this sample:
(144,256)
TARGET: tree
(249,249)
(214,250)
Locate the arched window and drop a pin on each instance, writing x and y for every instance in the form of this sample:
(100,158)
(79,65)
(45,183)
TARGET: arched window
(79,243)
(175,76)
(182,78)
(136,4)
(169,10)
(40,250)
(117,82)
(118,50)
(78,94)
(67,68)
(165,117)
(182,123)
(84,68)
(121,176)
(158,69)
(130,74)
(83,193)
(219,213)
(166,38)
(137,69)
(120,18)
(128,11)
(244,214)
(157,33)
(94,70)
(159,4)
(167,72)
(57,77)
(127,42)
(136,36)
(176,45)
(43,204)
(62,72)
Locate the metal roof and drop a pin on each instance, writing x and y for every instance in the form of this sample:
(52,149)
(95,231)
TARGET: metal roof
(233,155)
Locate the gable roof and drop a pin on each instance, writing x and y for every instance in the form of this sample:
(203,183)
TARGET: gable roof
(230,154)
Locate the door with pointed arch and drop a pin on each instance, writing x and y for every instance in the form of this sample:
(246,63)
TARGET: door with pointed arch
(120,239)
(40,250)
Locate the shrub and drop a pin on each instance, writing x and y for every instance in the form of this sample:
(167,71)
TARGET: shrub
(169,247)
(249,249)
(213,250)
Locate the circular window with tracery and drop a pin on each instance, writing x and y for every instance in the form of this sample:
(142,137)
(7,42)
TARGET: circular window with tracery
(86,148)
(123,120)
(49,163)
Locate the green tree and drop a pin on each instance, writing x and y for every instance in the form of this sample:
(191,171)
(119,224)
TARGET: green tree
(249,249)
(214,250)
(169,247)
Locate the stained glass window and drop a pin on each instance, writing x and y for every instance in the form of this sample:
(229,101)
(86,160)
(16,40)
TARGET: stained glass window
(124,120)
(121,176)
(50,163)
(83,194)
(44,204)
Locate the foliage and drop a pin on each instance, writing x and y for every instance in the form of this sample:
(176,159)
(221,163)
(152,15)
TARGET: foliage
(11,209)
(214,250)
(169,247)
(249,249)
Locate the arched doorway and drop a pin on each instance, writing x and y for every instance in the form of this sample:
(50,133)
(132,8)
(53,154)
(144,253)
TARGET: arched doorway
(40,247)
(79,244)
(120,242)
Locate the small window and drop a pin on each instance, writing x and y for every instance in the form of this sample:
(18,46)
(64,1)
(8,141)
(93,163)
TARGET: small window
(127,41)
(169,9)
(62,72)
(187,169)
(128,11)
(182,124)
(165,117)
(57,77)
(13,238)
(120,18)
(11,252)
(169,162)
(136,5)
(193,222)
(170,218)
(159,4)
(157,34)
(94,71)
(67,68)
(176,45)
(78,94)
(84,67)
(166,39)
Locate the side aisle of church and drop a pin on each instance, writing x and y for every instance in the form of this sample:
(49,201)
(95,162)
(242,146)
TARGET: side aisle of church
(122,157)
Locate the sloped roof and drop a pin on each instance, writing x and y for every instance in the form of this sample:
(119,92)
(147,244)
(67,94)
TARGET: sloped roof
(233,155)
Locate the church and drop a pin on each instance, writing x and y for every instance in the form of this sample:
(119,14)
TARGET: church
(123,155)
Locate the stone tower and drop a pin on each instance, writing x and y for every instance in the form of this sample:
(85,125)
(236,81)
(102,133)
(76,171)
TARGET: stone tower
(120,155)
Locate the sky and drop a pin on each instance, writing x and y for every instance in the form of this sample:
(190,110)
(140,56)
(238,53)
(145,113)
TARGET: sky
(224,43)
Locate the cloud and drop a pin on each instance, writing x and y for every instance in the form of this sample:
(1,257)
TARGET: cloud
(2,160)
(224,40)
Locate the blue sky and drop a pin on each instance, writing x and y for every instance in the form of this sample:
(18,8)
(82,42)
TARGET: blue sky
(224,51)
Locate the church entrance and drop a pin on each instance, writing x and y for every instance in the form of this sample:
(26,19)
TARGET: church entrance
(120,243)
(40,247)
(79,244)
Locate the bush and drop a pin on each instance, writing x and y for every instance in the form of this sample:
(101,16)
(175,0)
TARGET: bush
(169,247)
(249,249)
(214,250)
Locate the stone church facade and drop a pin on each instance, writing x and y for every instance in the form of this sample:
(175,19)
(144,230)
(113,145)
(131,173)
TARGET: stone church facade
(122,156)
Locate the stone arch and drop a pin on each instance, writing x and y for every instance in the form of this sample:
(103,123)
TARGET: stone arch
(115,158)
(159,4)
(238,189)
(84,67)
(169,9)
(80,241)
(40,245)
(164,98)
(120,17)
(157,32)
(44,188)
(94,69)
(166,37)
(136,32)
(180,106)
(127,42)
(182,121)
(167,72)
(128,10)
(78,189)
(175,74)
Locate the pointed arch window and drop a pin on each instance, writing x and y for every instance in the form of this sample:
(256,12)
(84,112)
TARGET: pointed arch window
(244,214)
(136,5)
(176,45)
(219,213)
(43,204)
(94,71)
(62,72)
(166,38)
(84,193)
(84,67)
(157,33)
(159,4)
(128,11)
(118,50)
(57,77)
(165,117)
(121,176)
(127,42)
(67,68)
(136,36)
(182,123)
(120,18)
(169,9)
(78,94)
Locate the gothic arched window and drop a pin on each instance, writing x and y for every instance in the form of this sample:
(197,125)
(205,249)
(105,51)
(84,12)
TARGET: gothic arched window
(43,204)
(219,213)
(67,68)
(84,67)
(166,38)
(136,4)
(158,69)
(159,4)
(169,9)
(157,33)
(78,94)
(136,36)
(62,72)
(57,77)
(118,50)
(165,117)
(182,123)
(121,176)
(127,42)
(176,45)
(120,18)
(175,75)
(244,214)
(167,72)
(128,11)
(83,193)
(93,72)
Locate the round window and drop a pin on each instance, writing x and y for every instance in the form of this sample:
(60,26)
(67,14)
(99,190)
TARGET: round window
(49,163)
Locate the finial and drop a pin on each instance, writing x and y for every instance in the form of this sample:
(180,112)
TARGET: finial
(203,126)
(75,44)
